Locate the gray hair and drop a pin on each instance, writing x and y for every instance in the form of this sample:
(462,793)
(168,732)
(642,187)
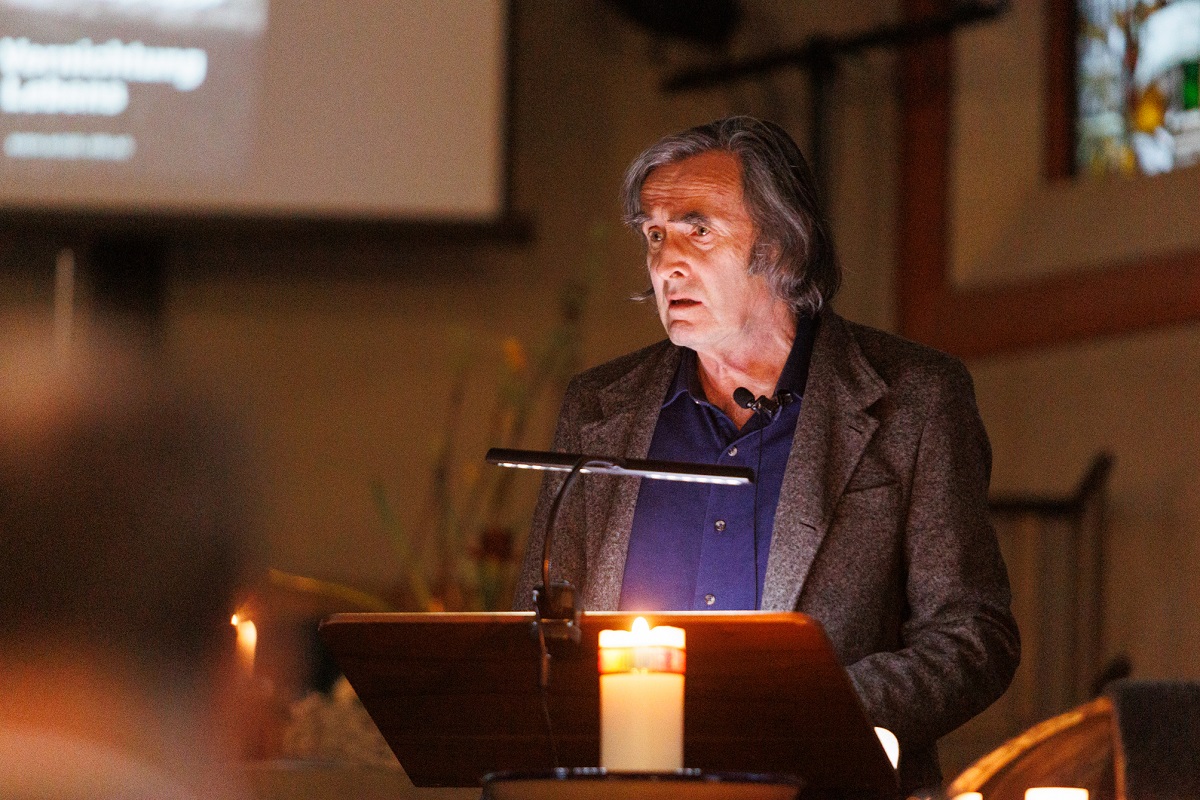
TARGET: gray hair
(793,248)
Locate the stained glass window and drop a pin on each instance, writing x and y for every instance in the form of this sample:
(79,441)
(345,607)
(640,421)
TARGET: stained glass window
(1138,86)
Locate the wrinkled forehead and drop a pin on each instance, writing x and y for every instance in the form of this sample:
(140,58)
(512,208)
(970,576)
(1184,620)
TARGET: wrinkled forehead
(710,181)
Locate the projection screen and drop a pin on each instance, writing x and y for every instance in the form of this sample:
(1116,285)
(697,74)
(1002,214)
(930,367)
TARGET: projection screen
(338,109)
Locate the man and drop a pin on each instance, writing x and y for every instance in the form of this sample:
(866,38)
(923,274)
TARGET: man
(869,511)
(127,544)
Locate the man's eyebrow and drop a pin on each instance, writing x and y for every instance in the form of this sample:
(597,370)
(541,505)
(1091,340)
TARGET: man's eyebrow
(690,218)
(693,218)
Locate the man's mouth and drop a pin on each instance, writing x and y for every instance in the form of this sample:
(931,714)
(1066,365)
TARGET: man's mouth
(683,302)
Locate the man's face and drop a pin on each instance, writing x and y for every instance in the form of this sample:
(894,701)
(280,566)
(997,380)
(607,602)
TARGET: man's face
(699,237)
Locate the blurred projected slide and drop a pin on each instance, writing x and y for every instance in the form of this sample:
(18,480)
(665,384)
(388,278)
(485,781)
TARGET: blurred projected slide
(149,92)
(309,109)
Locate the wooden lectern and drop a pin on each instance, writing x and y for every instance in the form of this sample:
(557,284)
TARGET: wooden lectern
(457,696)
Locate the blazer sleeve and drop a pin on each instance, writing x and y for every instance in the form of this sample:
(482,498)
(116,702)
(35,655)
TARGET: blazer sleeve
(959,644)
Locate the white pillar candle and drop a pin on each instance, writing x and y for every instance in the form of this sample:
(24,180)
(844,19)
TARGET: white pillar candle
(641,698)
(1056,793)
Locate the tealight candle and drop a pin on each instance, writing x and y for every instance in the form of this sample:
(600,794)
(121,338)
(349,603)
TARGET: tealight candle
(1056,793)
(641,698)
(247,641)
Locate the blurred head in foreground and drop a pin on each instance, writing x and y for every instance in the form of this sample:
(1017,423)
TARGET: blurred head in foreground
(127,545)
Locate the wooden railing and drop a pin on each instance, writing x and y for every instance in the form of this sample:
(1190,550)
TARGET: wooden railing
(1054,550)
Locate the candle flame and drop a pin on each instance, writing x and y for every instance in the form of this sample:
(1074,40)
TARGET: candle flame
(642,635)
(233,620)
(247,642)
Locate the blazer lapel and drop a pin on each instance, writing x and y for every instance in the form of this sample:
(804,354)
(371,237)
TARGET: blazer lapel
(831,435)
(630,408)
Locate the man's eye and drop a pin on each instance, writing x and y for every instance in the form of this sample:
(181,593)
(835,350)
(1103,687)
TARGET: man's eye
(702,230)
(654,236)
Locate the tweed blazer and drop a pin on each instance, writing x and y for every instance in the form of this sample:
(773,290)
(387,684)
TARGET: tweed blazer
(881,532)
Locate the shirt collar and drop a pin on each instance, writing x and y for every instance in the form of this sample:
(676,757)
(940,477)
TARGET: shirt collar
(792,379)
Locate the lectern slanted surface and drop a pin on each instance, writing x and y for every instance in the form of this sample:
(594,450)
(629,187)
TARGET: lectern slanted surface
(456,695)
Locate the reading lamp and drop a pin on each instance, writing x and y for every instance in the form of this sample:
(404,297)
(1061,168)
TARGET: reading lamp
(607,465)
(557,611)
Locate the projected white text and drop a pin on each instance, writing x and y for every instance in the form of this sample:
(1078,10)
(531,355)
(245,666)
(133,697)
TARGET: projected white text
(87,78)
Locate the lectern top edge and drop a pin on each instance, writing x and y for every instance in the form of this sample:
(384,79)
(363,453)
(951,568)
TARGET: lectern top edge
(444,617)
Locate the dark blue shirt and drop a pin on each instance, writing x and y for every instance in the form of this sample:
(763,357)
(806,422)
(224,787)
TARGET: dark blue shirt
(701,547)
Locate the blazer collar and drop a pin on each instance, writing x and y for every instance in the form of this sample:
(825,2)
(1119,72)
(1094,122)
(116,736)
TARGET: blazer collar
(640,391)
(834,429)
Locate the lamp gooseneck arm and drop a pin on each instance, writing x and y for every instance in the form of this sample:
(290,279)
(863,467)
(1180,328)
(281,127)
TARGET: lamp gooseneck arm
(556,605)
(557,613)
(548,538)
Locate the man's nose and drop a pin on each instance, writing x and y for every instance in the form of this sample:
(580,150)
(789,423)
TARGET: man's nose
(672,258)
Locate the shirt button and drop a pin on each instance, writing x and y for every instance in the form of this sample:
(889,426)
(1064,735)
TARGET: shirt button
(733,450)
(709,599)
(719,524)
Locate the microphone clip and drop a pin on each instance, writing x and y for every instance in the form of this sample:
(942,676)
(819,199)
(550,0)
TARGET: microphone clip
(767,406)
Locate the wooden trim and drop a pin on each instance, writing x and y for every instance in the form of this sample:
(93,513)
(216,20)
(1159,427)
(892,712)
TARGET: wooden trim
(1127,296)
(1062,20)
(926,75)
